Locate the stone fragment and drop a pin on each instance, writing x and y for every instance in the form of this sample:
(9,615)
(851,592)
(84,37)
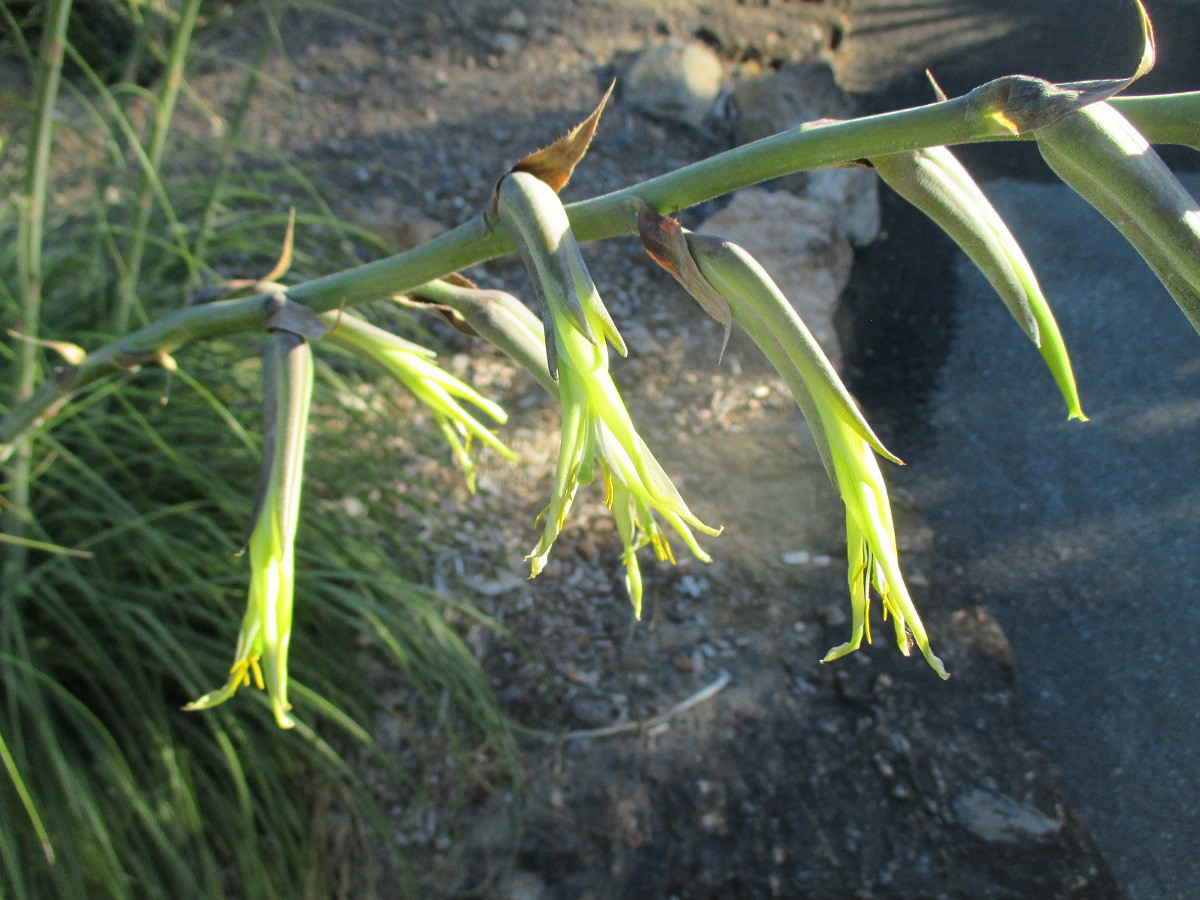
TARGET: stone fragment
(515,20)
(521,885)
(802,248)
(502,42)
(999,819)
(853,195)
(591,712)
(769,102)
(675,82)
(775,100)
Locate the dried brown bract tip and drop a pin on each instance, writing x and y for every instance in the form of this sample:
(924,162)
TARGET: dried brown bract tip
(666,242)
(555,164)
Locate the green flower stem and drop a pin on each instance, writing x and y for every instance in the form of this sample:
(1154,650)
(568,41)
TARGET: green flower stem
(1163,118)
(31,227)
(976,116)
(127,299)
(30,234)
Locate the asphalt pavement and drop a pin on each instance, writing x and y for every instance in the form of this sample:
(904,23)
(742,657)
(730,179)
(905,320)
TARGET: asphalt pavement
(1083,538)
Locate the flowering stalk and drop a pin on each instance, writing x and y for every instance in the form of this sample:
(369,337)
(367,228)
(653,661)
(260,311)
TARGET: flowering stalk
(935,182)
(1023,103)
(262,646)
(1107,161)
(596,427)
(412,365)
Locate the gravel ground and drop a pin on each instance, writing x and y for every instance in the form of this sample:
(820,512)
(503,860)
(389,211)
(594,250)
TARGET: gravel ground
(866,778)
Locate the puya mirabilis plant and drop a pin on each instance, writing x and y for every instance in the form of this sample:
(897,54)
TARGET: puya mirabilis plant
(1097,141)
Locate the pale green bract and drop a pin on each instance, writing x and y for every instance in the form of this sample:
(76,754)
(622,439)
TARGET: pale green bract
(935,182)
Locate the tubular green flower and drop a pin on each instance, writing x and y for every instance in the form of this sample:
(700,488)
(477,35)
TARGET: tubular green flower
(508,324)
(935,182)
(1108,162)
(846,443)
(874,560)
(412,365)
(596,426)
(262,646)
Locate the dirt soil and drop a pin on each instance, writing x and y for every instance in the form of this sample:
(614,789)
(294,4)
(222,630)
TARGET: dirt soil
(785,778)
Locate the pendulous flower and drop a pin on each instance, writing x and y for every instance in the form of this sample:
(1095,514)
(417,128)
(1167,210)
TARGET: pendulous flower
(596,427)
(845,441)
(261,655)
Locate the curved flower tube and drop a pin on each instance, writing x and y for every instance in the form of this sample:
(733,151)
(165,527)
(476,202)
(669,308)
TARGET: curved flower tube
(934,181)
(846,444)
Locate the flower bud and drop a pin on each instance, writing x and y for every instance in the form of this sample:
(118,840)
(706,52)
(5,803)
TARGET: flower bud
(1113,167)
(935,182)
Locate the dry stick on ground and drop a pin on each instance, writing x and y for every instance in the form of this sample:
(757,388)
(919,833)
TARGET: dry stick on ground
(640,726)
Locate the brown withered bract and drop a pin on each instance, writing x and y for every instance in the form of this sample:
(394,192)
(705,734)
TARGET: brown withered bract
(555,164)
(1022,104)
(666,242)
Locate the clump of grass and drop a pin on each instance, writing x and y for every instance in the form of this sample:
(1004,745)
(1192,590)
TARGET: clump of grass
(121,594)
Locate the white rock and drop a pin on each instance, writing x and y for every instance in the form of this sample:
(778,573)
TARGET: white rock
(998,818)
(678,82)
(770,102)
(853,195)
(800,244)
